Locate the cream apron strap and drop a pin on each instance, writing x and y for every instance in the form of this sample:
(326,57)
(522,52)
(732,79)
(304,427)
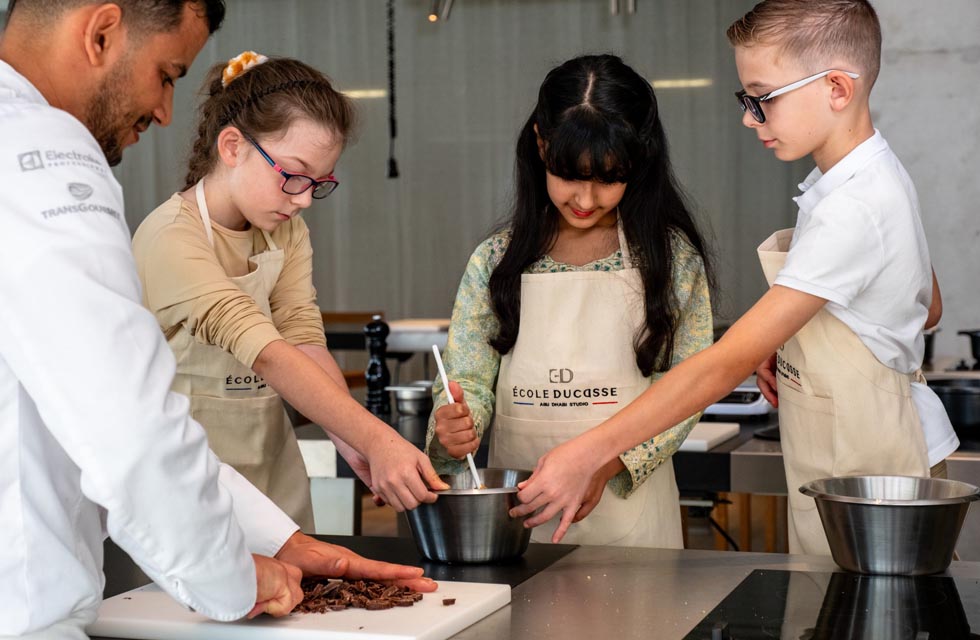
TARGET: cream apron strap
(268,241)
(202,207)
(623,245)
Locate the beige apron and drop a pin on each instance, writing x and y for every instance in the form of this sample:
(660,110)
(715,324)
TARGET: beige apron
(841,411)
(244,418)
(573,367)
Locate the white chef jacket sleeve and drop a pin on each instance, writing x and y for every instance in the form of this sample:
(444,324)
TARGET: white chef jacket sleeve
(96,365)
(836,252)
(266,526)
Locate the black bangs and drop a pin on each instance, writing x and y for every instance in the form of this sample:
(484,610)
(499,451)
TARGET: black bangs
(586,145)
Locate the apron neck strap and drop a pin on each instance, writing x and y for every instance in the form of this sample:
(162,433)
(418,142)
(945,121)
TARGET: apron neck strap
(624,246)
(202,207)
(268,240)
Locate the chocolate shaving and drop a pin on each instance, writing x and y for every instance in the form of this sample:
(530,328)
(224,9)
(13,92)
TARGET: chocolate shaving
(321,595)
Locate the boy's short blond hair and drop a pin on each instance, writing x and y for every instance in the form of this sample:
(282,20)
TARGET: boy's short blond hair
(815,33)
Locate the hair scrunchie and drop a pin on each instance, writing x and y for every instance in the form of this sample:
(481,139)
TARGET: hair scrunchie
(240,64)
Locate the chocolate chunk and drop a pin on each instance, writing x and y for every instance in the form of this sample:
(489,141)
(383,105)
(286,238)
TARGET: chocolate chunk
(322,595)
(448,601)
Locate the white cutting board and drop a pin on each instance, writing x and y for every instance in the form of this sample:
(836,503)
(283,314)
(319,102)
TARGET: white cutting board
(707,435)
(148,613)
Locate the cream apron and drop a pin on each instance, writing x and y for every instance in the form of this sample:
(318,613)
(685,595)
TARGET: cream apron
(574,366)
(244,418)
(841,411)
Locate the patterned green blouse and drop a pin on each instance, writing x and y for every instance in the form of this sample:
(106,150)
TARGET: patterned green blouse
(474,364)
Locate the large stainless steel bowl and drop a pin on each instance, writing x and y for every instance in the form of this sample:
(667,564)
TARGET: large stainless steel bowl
(893,525)
(468,524)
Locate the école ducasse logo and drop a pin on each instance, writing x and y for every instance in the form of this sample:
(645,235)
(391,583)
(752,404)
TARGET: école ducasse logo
(562,391)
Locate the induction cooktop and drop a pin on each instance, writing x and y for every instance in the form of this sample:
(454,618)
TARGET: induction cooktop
(803,606)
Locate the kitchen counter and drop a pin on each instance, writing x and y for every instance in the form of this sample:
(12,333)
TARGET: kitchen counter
(743,464)
(756,466)
(614,592)
(610,592)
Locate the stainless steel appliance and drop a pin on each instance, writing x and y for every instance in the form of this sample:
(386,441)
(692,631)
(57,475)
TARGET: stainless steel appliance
(796,604)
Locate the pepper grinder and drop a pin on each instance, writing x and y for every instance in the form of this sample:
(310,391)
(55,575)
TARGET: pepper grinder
(378,377)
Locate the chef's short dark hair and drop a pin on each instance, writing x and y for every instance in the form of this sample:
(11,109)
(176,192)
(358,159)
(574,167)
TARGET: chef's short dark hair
(149,16)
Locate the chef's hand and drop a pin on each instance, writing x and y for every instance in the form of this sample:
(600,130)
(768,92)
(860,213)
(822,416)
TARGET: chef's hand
(278,588)
(317,558)
(454,426)
(594,493)
(401,474)
(765,379)
(559,484)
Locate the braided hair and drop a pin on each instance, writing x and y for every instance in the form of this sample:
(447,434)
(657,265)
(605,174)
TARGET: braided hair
(265,99)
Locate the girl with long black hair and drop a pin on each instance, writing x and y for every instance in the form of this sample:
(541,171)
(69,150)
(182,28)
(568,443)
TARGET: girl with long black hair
(595,287)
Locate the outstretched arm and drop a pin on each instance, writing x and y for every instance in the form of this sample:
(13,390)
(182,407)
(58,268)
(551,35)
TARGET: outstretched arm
(562,476)
(357,462)
(399,471)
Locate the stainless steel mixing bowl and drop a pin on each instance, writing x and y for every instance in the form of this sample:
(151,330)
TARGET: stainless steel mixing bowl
(413,399)
(468,524)
(894,525)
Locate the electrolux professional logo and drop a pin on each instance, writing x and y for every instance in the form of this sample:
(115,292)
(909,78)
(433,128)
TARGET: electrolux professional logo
(30,161)
(75,158)
(80,190)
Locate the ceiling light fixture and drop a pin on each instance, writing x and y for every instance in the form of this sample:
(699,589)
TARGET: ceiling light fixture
(447,6)
(440,10)
(362,94)
(682,83)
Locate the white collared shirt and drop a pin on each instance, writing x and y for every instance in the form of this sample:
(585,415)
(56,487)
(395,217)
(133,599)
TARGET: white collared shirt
(91,438)
(859,244)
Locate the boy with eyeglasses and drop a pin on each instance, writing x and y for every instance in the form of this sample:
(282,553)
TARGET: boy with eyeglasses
(839,333)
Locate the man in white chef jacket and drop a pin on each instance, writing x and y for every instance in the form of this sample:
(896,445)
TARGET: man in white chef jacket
(91,438)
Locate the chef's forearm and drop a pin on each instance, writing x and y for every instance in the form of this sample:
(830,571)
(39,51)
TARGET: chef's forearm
(312,391)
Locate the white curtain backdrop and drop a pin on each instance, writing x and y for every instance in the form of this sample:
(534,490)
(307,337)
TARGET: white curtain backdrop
(464,88)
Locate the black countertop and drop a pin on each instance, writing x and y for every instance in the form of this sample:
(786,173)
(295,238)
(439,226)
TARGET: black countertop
(538,557)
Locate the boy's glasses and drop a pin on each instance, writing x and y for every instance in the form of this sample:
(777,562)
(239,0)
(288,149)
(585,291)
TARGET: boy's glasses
(295,184)
(753,104)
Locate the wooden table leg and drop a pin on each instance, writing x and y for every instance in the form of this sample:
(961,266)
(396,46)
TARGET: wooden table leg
(770,510)
(684,525)
(720,514)
(743,505)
